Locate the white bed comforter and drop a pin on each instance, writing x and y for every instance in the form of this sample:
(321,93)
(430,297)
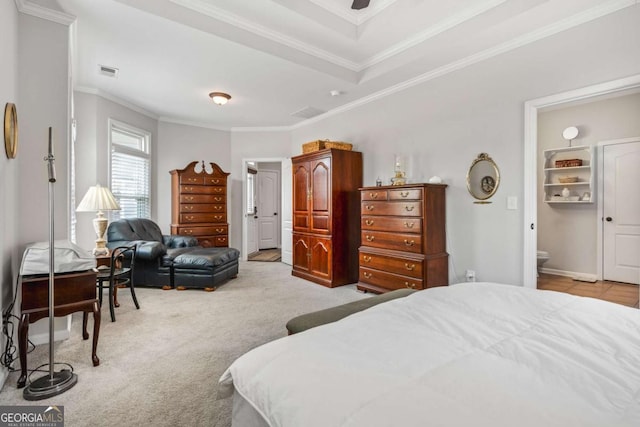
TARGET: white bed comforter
(465,355)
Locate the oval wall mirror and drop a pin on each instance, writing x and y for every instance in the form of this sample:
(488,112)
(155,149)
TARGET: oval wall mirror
(483,178)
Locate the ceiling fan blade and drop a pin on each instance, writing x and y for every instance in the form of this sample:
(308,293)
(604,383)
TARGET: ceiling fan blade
(359,4)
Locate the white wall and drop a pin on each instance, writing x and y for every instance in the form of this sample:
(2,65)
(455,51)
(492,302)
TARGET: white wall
(9,252)
(444,123)
(179,145)
(92,151)
(250,145)
(569,232)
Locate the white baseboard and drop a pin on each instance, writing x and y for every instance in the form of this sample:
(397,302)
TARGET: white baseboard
(584,277)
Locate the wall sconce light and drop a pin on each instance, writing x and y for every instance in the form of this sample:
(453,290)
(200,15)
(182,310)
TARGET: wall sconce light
(220,98)
(99,199)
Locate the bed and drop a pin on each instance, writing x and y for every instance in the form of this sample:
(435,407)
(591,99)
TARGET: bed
(480,354)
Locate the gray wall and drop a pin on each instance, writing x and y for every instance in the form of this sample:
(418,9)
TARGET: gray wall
(444,123)
(179,145)
(569,232)
(9,177)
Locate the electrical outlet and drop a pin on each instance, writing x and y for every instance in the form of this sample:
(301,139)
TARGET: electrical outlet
(470,275)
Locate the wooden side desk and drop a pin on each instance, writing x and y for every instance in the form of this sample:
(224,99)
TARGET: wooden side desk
(72,292)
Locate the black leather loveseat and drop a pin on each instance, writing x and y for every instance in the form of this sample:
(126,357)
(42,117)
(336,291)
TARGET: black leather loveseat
(156,251)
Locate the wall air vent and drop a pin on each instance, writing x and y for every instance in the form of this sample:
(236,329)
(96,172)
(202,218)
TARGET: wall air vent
(308,112)
(108,71)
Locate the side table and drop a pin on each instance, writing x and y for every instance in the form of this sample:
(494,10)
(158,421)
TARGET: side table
(73,292)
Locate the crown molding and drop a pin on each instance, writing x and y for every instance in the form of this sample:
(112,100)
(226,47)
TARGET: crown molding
(172,120)
(262,129)
(565,24)
(239,22)
(115,99)
(29,8)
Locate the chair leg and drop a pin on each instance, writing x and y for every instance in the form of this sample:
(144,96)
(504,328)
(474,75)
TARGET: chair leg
(111,304)
(133,293)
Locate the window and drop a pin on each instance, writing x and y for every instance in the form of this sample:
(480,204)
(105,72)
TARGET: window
(251,188)
(130,170)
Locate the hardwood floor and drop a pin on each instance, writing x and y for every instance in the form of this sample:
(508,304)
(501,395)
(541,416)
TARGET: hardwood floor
(620,293)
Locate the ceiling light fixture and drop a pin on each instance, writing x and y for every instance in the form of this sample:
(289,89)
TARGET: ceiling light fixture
(220,98)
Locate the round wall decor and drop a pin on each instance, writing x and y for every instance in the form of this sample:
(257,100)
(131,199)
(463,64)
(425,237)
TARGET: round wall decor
(10,130)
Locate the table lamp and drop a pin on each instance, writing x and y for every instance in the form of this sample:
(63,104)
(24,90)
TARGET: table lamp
(99,199)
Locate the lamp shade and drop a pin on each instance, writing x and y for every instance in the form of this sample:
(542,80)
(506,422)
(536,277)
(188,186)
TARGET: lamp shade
(98,198)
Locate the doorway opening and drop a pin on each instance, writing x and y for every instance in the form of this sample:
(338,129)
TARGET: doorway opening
(613,88)
(264,209)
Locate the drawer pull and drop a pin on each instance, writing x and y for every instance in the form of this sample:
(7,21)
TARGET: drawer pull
(369,207)
(409,208)
(368,221)
(219,230)
(373,195)
(217,199)
(367,275)
(217,208)
(366,258)
(190,217)
(189,198)
(409,267)
(217,190)
(409,242)
(192,179)
(410,285)
(370,238)
(188,208)
(217,217)
(404,193)
(188,188)
(187,231)
(409,224)
(215,181)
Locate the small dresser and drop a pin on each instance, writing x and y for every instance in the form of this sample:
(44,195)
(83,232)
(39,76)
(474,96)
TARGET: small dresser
(403,238)
(199,204)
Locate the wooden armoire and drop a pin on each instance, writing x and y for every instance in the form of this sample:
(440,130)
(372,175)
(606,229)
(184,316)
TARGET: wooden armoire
(199,204)
(403,242)
(326,216)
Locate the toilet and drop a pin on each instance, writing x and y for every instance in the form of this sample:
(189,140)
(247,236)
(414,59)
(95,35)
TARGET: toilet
(543,256)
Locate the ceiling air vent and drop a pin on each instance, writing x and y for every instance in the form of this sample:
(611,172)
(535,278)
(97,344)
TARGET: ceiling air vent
(108,71)
(307,112)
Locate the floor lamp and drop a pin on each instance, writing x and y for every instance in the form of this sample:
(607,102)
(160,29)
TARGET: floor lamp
(56,382)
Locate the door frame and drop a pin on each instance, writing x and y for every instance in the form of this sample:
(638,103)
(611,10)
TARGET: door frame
(245,163)
(530,205)
(600,198)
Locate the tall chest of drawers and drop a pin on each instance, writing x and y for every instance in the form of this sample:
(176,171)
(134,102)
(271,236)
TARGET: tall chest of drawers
(403,238)
(199,204)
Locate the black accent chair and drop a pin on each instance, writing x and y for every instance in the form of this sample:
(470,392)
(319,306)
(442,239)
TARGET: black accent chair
(118,275)
(155,252)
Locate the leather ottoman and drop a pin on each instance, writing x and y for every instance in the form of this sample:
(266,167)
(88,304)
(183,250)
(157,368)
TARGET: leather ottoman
(204,268)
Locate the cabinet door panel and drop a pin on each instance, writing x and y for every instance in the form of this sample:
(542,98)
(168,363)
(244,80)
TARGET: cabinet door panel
(300,252)
(300,188)
(321,185)
(320,257)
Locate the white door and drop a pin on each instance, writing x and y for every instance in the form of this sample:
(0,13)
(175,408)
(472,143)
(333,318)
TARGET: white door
(287,213)
(268,190)
(621,222)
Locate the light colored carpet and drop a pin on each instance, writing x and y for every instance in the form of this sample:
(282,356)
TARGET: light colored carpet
(160,365)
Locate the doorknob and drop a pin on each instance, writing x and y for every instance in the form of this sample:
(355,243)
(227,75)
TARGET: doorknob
(609,219)
(275,213)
